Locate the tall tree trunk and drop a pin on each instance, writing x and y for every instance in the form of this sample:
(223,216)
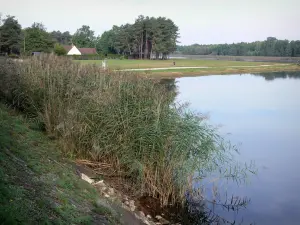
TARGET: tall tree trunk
(129,49)
(151,50)
(141,47)
(146,47)
(128,44)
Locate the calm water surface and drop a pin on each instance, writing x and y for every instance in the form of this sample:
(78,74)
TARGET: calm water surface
(262,113)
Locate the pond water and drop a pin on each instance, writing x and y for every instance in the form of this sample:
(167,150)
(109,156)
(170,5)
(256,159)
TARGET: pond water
(262,114)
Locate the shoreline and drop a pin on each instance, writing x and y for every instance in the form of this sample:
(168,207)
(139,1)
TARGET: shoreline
(217,71)
(196,67)
(133,209)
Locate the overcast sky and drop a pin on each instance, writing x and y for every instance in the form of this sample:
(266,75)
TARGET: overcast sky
(203,22)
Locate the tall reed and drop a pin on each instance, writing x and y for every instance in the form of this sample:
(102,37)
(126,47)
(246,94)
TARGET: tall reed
(117,118)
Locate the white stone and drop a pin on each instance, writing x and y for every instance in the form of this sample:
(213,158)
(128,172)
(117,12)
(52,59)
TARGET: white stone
(131,202)
(111,191)
(100,183)
(86,178)
(149,217)
(158,217)
(142,214)
(162,220)
(131,205)
(106,196)
(146,221)
(132,208)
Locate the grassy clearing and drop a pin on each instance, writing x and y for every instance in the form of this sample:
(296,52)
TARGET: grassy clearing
(37,184)
(217,67)
(136,64)
(122,120)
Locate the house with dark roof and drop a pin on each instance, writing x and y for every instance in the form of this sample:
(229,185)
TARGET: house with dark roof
(73,50)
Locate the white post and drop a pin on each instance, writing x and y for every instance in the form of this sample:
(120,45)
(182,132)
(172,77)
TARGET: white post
(104,64)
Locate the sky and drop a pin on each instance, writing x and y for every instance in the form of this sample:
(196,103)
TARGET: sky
(203,22)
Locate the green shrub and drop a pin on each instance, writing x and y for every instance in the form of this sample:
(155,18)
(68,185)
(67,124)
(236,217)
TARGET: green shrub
(59,50)
(13,56)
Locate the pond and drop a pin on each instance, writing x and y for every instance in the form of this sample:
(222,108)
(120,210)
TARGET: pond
(262,114)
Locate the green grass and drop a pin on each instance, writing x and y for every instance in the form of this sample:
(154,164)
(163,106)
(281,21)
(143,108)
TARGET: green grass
(37,184)
(135,64)
(217,67)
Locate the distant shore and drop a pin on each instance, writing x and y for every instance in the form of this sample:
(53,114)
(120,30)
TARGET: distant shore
(222,70)
(278,59)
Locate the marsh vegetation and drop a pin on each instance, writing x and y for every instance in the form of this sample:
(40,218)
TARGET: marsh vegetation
(127,125)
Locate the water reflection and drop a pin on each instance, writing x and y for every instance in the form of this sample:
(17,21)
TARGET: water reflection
(203,208)
(282,75)
(264,117)
(208,212)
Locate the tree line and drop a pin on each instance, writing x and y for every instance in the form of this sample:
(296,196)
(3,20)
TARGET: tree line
(146,37)
(17,40)
(269,47)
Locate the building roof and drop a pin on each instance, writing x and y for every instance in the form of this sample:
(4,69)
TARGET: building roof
(87,51)
(36,53)
(83,51)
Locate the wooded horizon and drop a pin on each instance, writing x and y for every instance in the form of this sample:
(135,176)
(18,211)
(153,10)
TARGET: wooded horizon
(148,36)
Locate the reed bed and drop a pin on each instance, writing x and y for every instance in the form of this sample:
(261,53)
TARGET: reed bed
(121,120)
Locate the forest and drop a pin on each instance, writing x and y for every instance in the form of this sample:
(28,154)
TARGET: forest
(270,47)
(147,37)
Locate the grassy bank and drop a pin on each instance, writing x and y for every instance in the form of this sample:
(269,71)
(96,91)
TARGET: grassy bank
(221,70)
(37,184)
(127,124)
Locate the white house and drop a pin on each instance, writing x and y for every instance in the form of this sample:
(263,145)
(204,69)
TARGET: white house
(73,50)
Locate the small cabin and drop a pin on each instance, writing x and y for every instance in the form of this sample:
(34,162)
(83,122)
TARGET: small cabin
(36,53)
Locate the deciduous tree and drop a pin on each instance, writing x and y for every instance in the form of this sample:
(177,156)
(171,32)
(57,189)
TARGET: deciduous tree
(37,39)
(63,38)
(10,36)
(84,37)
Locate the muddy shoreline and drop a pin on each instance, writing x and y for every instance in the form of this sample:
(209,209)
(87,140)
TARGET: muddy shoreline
(134,209)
